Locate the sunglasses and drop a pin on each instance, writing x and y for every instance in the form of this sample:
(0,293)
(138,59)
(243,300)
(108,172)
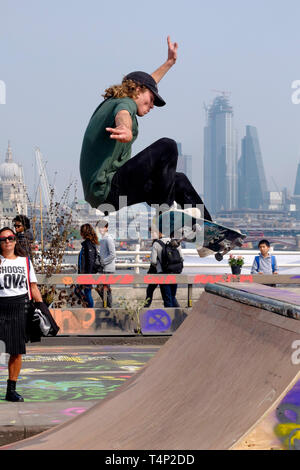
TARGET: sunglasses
(11,238)
(17,226)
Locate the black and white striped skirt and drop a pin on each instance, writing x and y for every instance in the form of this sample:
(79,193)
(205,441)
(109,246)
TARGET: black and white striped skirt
(13,313)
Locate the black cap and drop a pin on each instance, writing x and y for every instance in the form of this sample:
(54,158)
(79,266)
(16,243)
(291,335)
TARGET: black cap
(143,78)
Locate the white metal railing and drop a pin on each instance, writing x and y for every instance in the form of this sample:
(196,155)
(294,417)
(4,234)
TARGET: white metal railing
(137,263)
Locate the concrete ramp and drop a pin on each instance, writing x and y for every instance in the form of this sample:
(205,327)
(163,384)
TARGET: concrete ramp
(207,387)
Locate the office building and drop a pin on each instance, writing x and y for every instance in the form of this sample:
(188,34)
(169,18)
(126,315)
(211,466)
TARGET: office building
(220,157)
(252,184)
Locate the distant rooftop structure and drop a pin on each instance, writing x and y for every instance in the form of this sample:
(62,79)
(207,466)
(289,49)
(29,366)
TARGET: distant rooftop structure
(13,192)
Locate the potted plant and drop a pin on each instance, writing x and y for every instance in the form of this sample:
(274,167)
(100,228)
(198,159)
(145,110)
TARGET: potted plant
(236,263)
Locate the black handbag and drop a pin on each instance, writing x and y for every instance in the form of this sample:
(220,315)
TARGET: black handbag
(98,266)
(39,319)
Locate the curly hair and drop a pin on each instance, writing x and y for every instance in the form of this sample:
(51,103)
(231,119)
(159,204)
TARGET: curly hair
(128,88)
(18,251)
(87,231)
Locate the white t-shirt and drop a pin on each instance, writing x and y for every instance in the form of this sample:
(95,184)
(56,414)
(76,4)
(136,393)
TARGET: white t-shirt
(13,276)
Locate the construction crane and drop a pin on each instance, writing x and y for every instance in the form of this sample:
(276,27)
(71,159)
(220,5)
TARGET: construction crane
(43,177)
(44,184)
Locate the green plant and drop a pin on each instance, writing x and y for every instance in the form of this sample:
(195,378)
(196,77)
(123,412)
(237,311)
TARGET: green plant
(133,308)
(54,234)
(235,260)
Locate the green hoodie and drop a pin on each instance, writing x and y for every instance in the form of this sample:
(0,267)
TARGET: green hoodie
(101,156)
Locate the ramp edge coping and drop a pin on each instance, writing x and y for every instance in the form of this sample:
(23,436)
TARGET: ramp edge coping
(255,300)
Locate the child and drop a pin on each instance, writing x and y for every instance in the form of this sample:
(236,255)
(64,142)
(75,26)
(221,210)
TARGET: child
(264,263)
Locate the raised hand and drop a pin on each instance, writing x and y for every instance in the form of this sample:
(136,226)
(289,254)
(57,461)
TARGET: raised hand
(172,50)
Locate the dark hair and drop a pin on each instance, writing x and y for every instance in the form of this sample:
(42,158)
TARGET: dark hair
(23,219)
(264,242)
(102,223)
(87,231)
(18,251)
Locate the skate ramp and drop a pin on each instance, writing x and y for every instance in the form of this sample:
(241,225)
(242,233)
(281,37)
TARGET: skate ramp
(206,388)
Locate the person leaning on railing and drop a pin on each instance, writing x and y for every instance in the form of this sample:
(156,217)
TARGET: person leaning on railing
(108,256)
(86,261)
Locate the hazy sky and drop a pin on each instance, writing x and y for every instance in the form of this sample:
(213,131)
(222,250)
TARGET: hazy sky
(57,57)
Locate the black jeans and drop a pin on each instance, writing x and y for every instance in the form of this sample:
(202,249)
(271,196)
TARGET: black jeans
(151,177)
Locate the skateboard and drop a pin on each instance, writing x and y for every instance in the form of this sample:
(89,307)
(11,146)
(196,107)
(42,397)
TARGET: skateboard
(211,237)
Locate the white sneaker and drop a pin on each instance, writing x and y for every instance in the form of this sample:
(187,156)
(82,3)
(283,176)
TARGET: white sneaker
(173,207)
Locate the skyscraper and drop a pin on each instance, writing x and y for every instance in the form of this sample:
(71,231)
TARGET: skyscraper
(220,157)
(184,163)
(297,183)
(252,184)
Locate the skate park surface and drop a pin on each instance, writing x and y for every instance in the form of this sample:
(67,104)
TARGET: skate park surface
(227,379)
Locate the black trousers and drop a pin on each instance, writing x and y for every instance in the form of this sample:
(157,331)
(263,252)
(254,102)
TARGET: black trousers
(151,177)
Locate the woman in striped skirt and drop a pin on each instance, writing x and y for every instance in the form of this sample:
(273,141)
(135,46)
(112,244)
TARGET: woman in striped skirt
(13,305)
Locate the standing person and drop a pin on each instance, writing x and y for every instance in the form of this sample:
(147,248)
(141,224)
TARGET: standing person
(86,261)
(152,270)
(108,172)
(13,305)
(108,256)
(25,237)
(264,263)
(168,291)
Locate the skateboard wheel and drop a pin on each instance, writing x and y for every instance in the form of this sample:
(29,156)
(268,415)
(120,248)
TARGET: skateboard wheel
(239,242)
(219,256)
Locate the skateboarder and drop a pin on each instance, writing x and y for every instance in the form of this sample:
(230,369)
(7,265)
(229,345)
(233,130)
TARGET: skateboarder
(107,171)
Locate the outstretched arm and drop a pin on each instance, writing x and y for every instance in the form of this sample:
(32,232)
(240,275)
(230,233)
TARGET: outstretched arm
(123,130)
(172,57)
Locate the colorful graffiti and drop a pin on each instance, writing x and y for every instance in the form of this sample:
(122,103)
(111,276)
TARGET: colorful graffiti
(156,320)
(125,279)
(288,416)
(100,320)
(74,376)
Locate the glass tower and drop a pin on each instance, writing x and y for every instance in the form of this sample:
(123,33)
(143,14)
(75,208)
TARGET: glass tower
(220,157)
(297,183)
(252,187)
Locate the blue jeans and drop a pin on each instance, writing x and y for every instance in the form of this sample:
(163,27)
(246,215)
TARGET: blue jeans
(87,296)
(168,293)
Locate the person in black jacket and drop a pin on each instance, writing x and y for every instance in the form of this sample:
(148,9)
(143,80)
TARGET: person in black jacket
(86,260)
(24,235)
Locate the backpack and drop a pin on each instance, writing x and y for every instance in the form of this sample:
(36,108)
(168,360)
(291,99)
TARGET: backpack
(272,261)
(170,261)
